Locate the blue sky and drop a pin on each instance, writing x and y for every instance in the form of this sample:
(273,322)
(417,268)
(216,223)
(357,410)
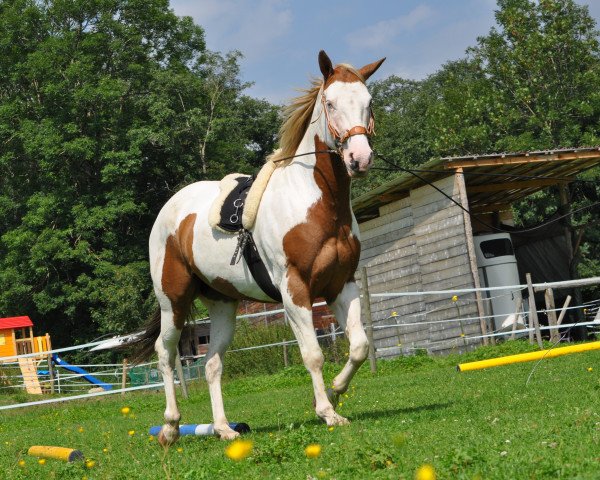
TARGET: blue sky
(280,39)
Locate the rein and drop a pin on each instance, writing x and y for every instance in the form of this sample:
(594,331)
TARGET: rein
(330,150)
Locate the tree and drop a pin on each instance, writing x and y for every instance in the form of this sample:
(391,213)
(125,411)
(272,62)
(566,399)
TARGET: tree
(104,113)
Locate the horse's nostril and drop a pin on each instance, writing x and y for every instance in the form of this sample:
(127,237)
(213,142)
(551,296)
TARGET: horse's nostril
(354,165)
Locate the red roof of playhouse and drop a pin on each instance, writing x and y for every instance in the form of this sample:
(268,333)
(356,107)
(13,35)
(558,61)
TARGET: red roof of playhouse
(15,322)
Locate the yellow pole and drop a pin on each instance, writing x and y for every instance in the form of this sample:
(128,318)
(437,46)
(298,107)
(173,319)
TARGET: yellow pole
(528,357)
(58,453)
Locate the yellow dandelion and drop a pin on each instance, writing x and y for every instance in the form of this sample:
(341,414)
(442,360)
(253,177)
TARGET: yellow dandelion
(330,429)
(313,450)
(21,463)
(90,463)
(425,472)
(462,334)
(239,449)
(131,433)
(394,314)
(80,429)
(105,450)
(590,369)
(179,450)
(340,404)
(42,461)
(151,438)
(125,410)
(455,298)
(388,462)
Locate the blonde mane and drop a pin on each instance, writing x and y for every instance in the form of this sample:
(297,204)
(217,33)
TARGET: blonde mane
(296,118)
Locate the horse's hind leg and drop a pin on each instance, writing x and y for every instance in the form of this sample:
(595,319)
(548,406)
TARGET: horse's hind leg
(346,308)
(166,348)
(175,288)
(222,327)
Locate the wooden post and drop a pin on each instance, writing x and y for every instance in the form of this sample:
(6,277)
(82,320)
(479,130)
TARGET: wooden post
(462,190)
(285,354)
(124,376)
(550,312)
(366,305)
(179,368)
(564,310)
(533,312)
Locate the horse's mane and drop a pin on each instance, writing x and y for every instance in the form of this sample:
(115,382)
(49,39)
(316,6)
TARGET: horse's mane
(296,118)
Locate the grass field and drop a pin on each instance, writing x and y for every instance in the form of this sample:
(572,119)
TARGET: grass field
(487,424)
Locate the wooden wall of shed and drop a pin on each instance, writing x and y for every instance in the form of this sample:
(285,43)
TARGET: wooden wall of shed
(419,244)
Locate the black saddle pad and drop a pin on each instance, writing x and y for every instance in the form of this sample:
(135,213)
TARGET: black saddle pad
(233,206)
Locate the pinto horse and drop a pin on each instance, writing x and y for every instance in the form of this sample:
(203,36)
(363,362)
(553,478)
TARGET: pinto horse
(305,233)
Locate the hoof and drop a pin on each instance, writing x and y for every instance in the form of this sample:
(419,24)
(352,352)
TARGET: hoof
(168,435)
(336,420)
(228,435)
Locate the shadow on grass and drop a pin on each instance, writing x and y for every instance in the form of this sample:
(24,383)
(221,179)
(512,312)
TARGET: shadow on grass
(368,415)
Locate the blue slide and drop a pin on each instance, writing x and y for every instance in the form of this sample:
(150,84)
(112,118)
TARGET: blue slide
(85,375)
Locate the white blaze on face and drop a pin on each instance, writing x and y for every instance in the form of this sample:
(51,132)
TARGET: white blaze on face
(348,106)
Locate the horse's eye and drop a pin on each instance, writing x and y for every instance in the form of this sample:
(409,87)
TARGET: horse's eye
(329,105)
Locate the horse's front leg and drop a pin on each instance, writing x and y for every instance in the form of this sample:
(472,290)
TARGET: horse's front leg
(302,324)
(346,308)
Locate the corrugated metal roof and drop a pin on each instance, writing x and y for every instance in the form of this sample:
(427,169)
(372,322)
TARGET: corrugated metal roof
(485,190)
(15,322)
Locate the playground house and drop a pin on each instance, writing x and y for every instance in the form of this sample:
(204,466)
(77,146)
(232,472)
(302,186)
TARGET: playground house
(16,337)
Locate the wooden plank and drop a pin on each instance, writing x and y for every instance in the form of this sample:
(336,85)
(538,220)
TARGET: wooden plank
(404,213)
(443,241)
(391,227)
(423,229)
(384,238)
(460,251)
(406,244)
(504,186)
(392,261)
(458,265)
(30,378)
(556,157)
(393,206)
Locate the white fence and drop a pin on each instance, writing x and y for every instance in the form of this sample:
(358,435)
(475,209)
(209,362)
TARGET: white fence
(115,374)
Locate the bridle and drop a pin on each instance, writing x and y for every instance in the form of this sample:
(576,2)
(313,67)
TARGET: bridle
(339,139)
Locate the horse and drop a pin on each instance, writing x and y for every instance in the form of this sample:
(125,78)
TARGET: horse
(305,232)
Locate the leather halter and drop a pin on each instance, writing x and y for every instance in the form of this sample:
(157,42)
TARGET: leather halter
(357,130)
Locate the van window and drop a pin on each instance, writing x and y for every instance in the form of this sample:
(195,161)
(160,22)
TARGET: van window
(496,248)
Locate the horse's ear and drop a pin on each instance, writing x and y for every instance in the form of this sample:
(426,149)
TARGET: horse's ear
(370,69)
(325,65)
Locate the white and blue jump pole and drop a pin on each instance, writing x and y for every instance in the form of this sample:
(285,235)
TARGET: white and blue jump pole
(203,429)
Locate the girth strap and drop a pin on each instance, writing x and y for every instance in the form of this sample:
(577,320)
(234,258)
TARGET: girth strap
(247,248)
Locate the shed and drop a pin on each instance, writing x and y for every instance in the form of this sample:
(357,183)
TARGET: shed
(415,239)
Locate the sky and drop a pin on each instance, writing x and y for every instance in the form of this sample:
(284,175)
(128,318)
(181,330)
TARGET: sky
(280,39)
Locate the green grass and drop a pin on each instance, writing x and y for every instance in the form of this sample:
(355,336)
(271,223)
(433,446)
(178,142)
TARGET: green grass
(487,424)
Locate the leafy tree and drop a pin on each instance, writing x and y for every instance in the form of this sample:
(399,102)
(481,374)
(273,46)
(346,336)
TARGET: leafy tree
(106,109)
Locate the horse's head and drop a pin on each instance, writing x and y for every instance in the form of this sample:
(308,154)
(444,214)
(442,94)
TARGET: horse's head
(346,103)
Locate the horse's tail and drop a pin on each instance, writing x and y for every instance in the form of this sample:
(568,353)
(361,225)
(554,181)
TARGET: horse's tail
(143,345)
